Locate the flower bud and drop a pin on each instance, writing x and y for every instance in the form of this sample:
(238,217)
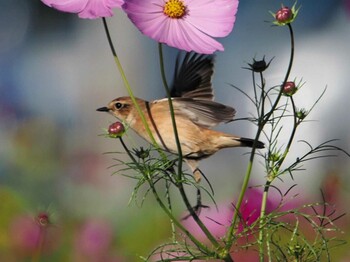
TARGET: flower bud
(43,219)
(142,153)
(116,129)
(259,66)
(284,15)
(274,157)
(302,113)
(289,88)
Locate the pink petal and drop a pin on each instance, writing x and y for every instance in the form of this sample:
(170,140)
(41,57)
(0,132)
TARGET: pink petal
(99,8)
(85,8)
(184,36)
(114,3)
(70,6)
(146,15)
(186,33)
(217,23)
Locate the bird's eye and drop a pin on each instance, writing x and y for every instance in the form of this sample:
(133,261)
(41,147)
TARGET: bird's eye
(118,105)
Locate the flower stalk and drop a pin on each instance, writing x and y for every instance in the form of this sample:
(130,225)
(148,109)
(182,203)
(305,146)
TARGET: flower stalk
(179,182)
(127,85)
(263,119)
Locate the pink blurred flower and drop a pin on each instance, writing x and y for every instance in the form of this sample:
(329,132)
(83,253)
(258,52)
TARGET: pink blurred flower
(94,239)
(27,235)
(85,8)
(216,220)
(184,24)
(251,206)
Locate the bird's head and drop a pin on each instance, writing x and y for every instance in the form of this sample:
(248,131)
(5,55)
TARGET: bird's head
(120,107)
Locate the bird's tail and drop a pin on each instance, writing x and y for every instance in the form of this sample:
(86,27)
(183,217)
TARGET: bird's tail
(250,142)
(235,141)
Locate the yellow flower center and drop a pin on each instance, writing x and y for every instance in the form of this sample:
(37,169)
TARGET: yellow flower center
(174,8)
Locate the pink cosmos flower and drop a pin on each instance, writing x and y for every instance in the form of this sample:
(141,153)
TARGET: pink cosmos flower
(27,234)
(85,8)
(184,24)
(94,239)
(218,220)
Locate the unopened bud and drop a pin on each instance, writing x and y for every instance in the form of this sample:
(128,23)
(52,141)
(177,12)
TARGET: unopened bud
(289,88)
(43,219)
(116,130)
(142,153)
(259,66)
(302,113)
(284,15)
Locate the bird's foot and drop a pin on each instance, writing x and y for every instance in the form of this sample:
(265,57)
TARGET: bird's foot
(196,210)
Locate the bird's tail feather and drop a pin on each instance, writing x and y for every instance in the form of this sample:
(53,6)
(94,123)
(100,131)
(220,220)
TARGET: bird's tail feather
(225,141)
(250,142)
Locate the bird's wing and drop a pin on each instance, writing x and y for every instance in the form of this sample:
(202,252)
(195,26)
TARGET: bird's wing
(201,112)
(192,78)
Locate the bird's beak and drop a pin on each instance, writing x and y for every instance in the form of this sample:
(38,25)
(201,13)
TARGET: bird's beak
(103,109)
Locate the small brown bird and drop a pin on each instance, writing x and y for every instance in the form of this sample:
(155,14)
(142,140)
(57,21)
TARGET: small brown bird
(195,113)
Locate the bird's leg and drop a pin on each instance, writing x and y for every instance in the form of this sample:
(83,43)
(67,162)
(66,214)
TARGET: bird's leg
(199,204)
(197,174)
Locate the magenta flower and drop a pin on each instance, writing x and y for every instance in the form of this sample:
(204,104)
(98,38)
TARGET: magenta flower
(85,8)
(184,24)
(94,239)
(216,220)
(27,235)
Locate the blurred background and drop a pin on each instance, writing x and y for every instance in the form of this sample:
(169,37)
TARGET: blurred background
(56,69)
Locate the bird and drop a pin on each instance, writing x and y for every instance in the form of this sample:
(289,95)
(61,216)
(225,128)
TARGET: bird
(195,111)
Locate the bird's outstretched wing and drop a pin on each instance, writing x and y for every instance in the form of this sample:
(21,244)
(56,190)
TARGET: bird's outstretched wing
(192,92)
(192,77)
(204,112)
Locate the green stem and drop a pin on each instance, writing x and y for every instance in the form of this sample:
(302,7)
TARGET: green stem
(196,217)
(163,206)
(180,156)
(229,236)
(201,246)
(127,85)
(289,69)
(172,114)
(167,190)
(262,220)
(230,232)
(270,179)
(262,121)
(291,138)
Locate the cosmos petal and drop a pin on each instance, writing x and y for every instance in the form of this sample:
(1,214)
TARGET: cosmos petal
(193,31)
(217,24)
(70,6)
(85,8)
